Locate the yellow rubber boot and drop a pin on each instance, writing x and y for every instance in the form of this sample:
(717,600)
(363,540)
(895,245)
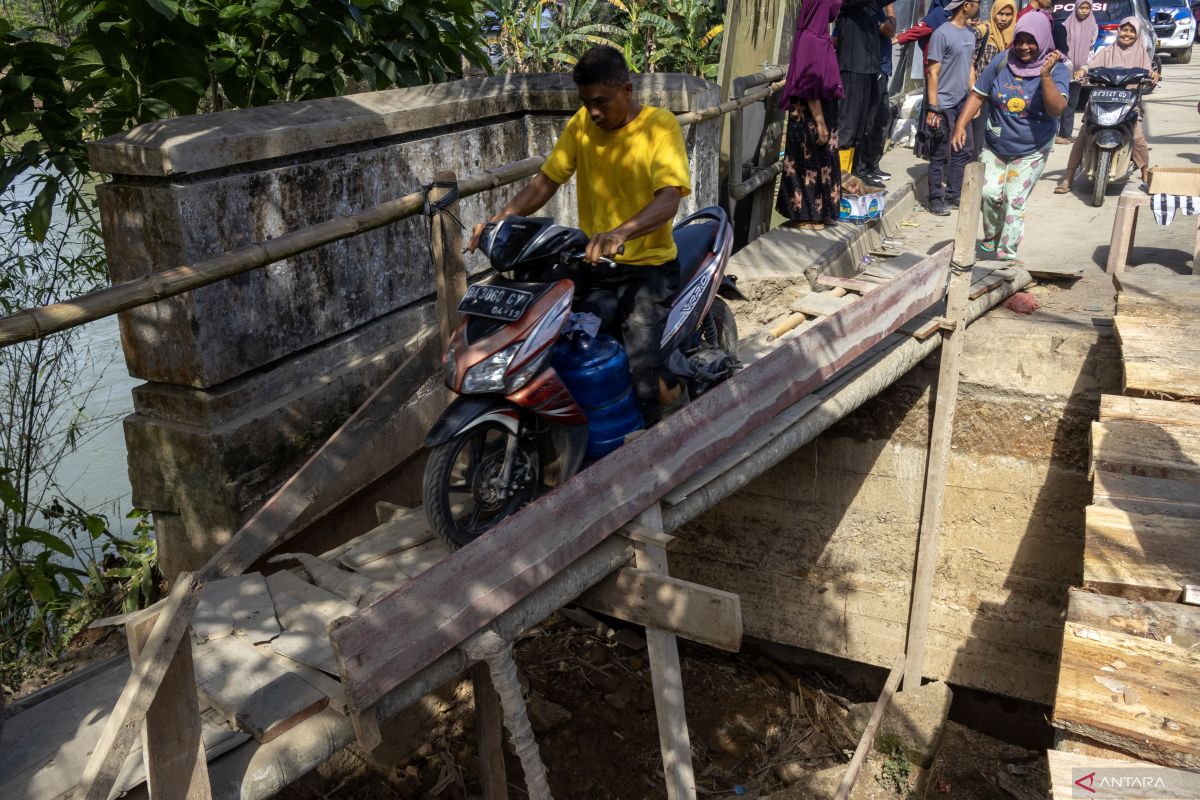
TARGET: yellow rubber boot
(846,157)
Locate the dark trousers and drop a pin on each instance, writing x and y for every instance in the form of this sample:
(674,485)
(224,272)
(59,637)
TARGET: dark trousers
(877,128)
(1066,125)
(945,164)
(857,109)
(633,301)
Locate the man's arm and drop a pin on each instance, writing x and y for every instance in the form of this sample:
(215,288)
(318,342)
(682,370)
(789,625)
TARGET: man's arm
(887,28)
(535,195)
(655,214)
(932,118)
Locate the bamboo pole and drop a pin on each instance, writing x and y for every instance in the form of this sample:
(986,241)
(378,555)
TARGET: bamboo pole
(34,323)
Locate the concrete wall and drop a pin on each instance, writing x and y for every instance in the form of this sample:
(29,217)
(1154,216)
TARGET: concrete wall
(822,547)
(248,376)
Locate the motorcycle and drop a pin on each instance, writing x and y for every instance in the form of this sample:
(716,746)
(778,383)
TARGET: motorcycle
(1111,115)
(516,430)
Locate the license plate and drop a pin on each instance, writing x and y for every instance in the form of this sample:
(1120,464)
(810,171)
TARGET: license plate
(495,302)
(1110,96)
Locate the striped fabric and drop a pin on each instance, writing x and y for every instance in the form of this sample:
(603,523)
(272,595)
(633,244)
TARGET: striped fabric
(1166,206)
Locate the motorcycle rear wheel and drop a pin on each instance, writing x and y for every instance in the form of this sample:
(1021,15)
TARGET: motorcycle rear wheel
(461,503)
(1100,185)
(726,328)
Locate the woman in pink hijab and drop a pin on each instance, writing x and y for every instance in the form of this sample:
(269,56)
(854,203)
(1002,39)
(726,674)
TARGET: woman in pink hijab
(1082,31)
(1126,52)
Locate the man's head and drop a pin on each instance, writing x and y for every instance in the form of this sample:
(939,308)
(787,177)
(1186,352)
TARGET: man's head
(962,9)
(602,78)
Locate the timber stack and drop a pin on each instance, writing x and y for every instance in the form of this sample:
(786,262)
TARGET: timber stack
(1126,697)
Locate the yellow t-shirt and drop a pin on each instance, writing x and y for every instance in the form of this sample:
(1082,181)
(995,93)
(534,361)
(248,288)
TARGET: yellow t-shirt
(619,172)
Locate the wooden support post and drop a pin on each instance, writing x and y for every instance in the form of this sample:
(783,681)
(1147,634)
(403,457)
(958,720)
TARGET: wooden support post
(445,247)
(943,423)
(666,674)
(1196,251)
(158,654)
(489,724)
(172,744)
(868,738)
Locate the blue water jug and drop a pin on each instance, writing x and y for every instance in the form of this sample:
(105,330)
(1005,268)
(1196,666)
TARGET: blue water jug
(596,370)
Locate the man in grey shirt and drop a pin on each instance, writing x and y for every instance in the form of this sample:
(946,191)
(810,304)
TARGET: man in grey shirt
(948,82)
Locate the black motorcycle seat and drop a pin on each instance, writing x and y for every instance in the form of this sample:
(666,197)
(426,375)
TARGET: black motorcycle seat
(693,242)
(1116,76)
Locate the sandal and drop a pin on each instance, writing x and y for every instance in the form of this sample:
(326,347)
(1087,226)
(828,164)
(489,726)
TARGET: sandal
(1063,140)
(1062,188)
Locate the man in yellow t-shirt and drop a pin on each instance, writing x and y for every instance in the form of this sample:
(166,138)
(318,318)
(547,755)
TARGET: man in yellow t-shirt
(632,171)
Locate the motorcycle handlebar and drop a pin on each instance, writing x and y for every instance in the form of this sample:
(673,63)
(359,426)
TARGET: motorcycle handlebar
(579,258)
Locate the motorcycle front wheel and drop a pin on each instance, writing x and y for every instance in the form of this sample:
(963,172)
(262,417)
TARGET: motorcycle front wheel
(1100,185)
(463,490)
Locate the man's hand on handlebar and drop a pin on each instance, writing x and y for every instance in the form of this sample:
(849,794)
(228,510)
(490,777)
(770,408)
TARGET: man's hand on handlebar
(609,243)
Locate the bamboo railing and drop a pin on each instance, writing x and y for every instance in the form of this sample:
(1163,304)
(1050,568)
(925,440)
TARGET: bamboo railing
(34,323)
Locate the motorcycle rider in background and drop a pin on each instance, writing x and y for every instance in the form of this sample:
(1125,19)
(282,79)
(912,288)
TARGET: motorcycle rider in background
(632,171)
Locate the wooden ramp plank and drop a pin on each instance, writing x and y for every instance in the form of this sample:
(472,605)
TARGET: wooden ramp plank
(1130,692)
(1156,320)
(397,568)
(240,604)
(395,536)
(253,691)
(1147,450)
(821,303)
(1138,494)
(1110,776)
(1150,556)
(1142,409)
(385,644)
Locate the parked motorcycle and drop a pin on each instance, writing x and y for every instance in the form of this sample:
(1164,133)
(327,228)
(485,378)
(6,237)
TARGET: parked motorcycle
(1109,120)
(533,401)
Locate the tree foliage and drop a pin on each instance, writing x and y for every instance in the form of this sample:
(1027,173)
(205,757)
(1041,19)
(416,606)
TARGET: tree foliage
(546,35)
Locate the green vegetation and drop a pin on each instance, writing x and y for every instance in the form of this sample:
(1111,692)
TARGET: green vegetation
(545,36)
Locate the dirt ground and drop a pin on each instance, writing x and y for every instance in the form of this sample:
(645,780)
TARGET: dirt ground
(756,729)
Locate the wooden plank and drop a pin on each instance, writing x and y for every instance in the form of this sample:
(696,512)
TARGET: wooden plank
(666,677)
(313,676)
(821,304)
(489,726)
(405,631)
(942,427)
(1072,774)
(1139,494)
(695,612)
(1132,693)
(446,250)
(1146,450)
(980,289)
(921,328)
(1141,409)
(397,568)
(253,691)
(1148,556)
(867,741)
(852,284)
(151,668)
(271,525)
(239,604)
(305,614)
(395,536)
(1162,622)
(172,742)
(1169,295)
(350,586)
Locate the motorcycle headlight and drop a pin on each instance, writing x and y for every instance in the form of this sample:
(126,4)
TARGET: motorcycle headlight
(488,375)
(522,376)
(1107,116)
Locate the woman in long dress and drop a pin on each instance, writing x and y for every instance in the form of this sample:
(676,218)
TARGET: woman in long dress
(810,189)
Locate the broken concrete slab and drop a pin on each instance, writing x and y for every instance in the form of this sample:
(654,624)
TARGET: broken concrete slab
(914,719)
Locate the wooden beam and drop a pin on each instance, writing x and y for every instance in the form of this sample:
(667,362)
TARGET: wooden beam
(1146,556)
(271,525)
(868,738)
(1143,409)
(445,246)
(172,744)
(695,612)
(386,643)
(1146,449)
(666,676)
(489,725)
(155,660)
(1135,493)
(942,428)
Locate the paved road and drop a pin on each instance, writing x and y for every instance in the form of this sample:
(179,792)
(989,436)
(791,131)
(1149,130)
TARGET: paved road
(1067,229)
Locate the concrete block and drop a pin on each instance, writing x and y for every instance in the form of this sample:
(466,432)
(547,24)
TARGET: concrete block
(914,719)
